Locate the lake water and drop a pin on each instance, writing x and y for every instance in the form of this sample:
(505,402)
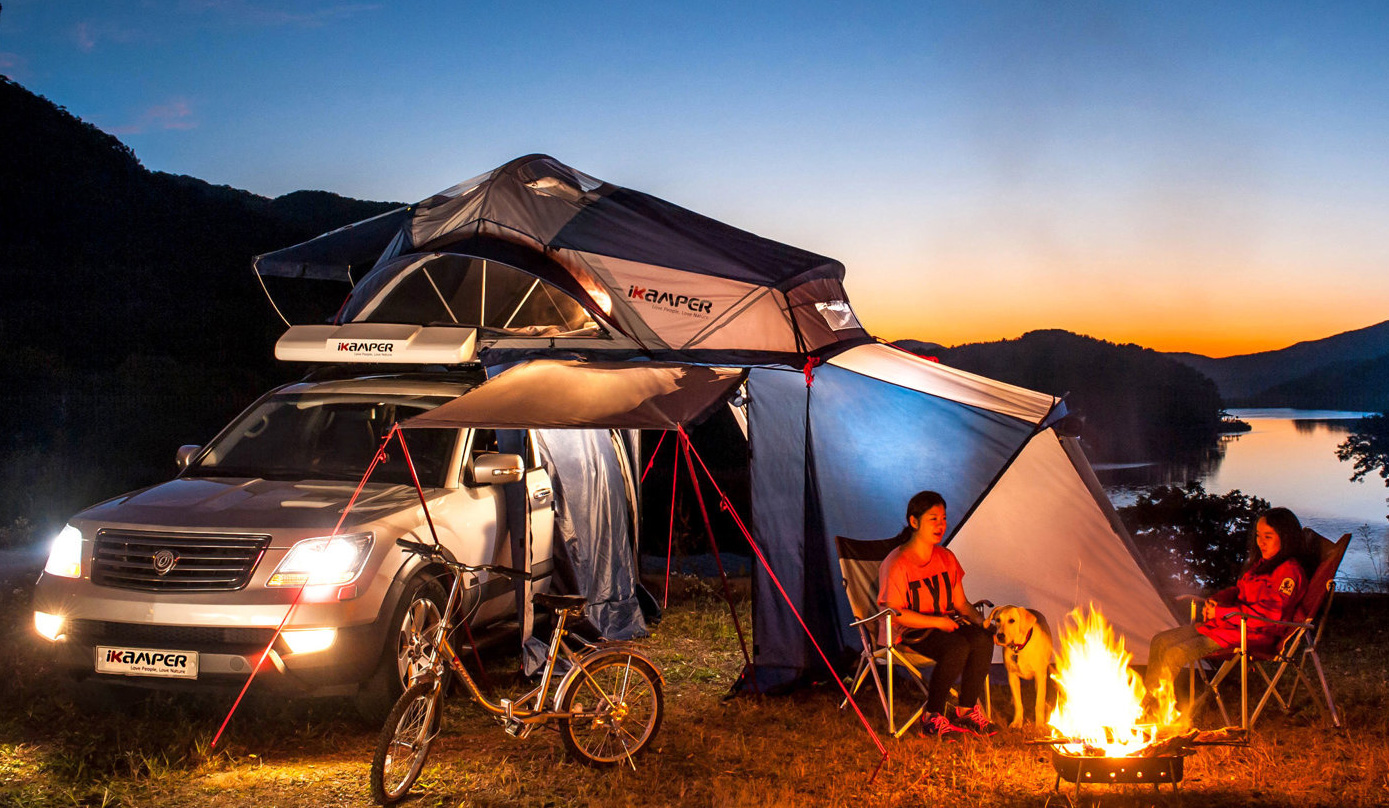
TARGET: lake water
(1289,459)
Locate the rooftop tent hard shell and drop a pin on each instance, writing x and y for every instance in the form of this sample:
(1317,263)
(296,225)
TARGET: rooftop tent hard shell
(647,277)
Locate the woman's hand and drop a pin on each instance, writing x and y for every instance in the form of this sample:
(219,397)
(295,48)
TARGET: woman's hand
(944,623)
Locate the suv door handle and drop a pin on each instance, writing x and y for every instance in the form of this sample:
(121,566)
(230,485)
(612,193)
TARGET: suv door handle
(540,494)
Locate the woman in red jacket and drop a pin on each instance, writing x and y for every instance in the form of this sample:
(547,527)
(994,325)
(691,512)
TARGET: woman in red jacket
(1271,586)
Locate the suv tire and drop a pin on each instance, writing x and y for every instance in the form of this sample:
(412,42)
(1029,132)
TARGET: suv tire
(417,612)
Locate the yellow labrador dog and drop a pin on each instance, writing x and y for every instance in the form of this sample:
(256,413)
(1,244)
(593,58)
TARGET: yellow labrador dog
(1026,640)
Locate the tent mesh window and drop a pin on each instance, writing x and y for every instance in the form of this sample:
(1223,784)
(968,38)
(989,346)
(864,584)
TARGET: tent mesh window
(456,290)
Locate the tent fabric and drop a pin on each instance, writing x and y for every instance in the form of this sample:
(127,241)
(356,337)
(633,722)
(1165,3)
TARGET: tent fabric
(587,395)
(942,381)
(1041,540)
(594,552)
(661,280)
(843,456)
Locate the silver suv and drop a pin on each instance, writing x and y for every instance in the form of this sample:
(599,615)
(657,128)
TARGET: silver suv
(185,583)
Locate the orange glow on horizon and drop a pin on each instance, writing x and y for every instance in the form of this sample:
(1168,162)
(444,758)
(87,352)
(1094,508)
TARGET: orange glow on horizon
(1201,329)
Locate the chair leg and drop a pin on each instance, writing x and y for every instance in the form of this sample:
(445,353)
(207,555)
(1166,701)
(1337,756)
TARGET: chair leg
(882,695)
(1244,673)
(1326,691)
(859,676)
(1271,691)
(1214,687)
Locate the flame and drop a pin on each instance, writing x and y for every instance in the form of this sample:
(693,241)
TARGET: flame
(1100,700)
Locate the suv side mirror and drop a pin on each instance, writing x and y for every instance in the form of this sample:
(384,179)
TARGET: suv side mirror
(492,468)
(185,455)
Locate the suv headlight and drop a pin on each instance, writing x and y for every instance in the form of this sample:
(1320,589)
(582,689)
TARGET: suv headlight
(65,556)
(324,561)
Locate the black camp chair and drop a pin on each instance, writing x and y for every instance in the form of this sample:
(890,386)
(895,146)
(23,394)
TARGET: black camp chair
(1298,646)
(859,563)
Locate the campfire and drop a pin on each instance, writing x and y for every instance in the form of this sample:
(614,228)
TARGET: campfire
(1099,710)
(1099,733)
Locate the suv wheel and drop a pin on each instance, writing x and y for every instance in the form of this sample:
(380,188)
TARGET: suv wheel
(407,639)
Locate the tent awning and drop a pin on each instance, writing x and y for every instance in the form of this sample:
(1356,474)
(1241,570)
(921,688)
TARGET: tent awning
(553,394)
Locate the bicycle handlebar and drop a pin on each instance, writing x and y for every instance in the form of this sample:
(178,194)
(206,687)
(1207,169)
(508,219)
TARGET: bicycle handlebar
(440,552)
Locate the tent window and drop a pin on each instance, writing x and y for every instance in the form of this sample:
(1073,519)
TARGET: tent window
(457,290)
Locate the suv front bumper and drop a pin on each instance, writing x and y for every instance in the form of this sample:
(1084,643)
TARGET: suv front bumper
(229,641)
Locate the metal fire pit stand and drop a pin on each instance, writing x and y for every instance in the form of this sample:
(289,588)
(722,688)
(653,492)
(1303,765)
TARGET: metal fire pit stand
(1081,769)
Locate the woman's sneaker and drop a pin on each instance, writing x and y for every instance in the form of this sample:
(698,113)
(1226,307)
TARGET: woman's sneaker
(974,721)
(935,725)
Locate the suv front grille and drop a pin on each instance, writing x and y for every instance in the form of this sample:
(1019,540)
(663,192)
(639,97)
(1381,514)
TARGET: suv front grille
(201,562)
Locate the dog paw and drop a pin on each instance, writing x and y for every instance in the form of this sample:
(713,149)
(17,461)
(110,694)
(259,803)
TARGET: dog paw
(1016,723)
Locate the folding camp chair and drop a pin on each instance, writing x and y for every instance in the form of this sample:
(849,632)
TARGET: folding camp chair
(1296,647)
(859,563)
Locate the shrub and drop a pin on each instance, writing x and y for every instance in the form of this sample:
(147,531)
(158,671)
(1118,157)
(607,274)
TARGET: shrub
(1193,540)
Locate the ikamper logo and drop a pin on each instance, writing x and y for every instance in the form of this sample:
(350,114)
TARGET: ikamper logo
(173,660)
(366,347)
(671,300)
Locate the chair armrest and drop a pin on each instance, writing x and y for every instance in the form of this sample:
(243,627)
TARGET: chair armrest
(1246,616)
(887,610)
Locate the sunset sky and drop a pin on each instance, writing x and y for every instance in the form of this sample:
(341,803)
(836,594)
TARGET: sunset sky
(1211,177)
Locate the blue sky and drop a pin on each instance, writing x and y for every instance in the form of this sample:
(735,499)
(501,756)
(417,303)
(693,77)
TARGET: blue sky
(1189,176)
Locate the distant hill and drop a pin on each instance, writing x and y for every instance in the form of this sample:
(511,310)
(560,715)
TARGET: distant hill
(104,259)
(130,319)
(1136,403)
(1252,379)
(1337,386)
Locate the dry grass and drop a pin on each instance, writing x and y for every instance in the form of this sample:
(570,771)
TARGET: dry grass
(797,750)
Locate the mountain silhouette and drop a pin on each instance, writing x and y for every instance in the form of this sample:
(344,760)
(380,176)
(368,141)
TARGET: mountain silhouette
(1135,403)
(1316,366)
(105,259)
(131,319)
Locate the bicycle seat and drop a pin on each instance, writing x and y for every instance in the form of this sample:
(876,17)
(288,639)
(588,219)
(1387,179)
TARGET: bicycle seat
(569,603)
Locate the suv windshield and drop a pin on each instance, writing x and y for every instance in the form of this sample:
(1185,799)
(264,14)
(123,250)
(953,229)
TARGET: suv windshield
(329,436)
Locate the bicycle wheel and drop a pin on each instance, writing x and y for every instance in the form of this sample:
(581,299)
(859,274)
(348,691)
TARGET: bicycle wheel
(404,741)
(620,707)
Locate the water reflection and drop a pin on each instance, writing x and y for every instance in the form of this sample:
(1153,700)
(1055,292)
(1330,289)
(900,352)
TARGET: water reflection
(1289,459)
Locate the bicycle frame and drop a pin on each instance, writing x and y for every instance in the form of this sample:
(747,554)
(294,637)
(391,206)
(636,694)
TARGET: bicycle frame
(515,712)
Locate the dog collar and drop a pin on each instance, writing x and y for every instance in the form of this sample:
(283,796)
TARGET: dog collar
(1015,647)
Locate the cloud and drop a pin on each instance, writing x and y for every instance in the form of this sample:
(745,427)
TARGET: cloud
(89,34)
(309,15)
(177,114)
(86,40)
(12,63)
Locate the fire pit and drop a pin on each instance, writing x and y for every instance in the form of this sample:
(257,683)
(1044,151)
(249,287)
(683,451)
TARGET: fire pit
(1080,769)
(1099,732)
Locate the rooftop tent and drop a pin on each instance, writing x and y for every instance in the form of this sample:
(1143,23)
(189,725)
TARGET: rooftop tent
(842,456)
(655,279)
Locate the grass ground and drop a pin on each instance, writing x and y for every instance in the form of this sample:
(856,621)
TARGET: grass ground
(797,750)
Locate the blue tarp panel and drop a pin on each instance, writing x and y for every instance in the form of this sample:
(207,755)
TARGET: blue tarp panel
(873,444)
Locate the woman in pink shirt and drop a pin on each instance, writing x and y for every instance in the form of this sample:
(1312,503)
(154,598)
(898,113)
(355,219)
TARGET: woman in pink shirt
(921,581)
